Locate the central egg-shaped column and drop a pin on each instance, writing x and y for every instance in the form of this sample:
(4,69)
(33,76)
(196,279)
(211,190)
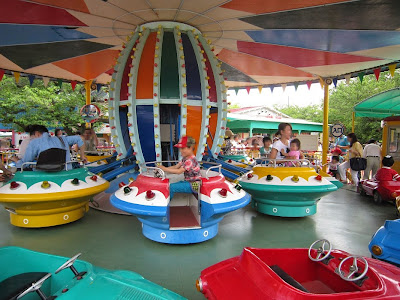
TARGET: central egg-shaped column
(167,83)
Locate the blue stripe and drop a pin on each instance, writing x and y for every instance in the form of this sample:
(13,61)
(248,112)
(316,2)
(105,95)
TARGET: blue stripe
(136,209)
(208,210)
(341,41)
(12,34)
(145,122)
(192,70)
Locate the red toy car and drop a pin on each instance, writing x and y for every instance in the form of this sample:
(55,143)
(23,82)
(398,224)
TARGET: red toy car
(292,274)
(380,190)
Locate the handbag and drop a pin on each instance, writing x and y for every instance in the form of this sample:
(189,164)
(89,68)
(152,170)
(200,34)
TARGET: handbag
(358,163)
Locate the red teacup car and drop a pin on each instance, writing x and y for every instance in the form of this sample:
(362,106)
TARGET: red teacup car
(314,273)
(380,190)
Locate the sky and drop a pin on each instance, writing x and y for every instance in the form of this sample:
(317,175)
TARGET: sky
(302,97)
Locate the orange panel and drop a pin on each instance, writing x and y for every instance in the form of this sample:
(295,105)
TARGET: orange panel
(262,6)
(213,127)
(144,87)
(252,65)
(78,5)
(193,126)
(88,66)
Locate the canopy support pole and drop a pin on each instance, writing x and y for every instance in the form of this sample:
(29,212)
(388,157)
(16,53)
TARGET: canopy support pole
(325,127)
(352,121)
(88,85)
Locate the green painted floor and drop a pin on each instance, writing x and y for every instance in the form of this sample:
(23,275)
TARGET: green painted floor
(110,241)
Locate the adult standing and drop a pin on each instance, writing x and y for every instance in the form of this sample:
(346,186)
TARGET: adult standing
(373,153)
(355,150)
(343,143)
(90,140)
(58,132)
(283,143)
(227,148)
(236,145)
(24,144)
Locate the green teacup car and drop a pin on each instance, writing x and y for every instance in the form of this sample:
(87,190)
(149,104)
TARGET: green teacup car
(29,275)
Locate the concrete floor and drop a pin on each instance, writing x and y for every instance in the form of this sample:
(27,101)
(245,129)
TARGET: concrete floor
(110,241)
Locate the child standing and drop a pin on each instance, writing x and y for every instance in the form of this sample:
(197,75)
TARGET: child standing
(333,166)
(294,152)
(189,166)
(386,173)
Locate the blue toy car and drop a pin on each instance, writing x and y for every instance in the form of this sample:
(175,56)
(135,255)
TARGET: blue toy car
(385,244)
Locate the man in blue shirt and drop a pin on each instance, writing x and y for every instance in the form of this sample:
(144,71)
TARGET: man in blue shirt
(44,141)
(343,143)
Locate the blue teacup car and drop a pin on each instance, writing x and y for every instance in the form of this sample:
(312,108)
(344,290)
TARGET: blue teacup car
(385,244)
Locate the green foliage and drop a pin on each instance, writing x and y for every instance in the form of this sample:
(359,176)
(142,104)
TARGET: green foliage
(312,113)
(342,100)
(21,104)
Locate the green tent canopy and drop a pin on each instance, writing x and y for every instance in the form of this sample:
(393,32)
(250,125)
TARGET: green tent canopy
(381,105)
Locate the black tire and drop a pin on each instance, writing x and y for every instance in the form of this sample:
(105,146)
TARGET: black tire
(377,198)
(362,191)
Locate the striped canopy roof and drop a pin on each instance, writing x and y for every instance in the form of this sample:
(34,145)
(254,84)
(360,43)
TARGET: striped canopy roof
(382,105)
(260,42)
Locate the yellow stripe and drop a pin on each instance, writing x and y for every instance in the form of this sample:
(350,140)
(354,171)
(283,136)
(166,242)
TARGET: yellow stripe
(283,172)
(54,196)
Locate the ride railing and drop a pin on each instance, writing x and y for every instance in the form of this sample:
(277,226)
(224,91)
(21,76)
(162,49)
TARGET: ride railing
(33,164)
(7,153)
(277,163)
(152,168)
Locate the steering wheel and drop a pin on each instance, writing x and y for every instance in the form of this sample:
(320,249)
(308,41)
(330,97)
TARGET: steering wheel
(35,286)
(353,269)
(320,250)
(68,263)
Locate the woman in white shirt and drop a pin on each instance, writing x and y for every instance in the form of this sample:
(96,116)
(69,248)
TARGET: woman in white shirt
(285,133)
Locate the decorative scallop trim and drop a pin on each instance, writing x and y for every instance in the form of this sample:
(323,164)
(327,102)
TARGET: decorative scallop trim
(156,91)
(115,90)
(205,119)
(132,116)
(221,97)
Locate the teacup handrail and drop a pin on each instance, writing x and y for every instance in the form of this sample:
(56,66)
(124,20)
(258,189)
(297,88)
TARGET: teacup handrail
(274,162)
(218,166)
(146,168)
(28,163)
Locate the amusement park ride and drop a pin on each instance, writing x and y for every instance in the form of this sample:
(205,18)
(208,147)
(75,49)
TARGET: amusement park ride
(168,80)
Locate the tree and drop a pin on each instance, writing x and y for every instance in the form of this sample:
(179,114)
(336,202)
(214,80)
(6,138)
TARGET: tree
(345,97)
(342,100)
(22,104)
(311,112)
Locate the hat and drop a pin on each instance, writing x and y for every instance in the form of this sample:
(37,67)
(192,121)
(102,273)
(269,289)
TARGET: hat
(228,133)
(336,150)
(186,141)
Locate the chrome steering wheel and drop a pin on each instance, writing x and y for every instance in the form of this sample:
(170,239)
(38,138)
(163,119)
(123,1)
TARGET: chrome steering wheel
(320,250)
(68,263)
(354,268)
(35,286)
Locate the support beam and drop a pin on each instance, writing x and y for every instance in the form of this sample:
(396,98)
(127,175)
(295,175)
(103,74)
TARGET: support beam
(325,127)
(88,87)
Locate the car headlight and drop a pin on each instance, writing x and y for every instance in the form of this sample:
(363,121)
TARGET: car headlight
(376,250)
(199,285)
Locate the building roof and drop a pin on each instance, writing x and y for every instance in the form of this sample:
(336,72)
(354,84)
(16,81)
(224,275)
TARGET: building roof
(265,119)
